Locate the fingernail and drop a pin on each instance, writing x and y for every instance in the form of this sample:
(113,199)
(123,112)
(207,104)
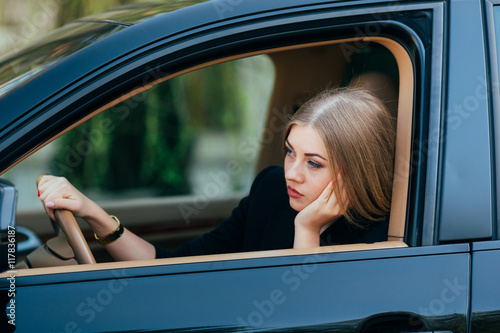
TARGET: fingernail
(38,193)
(50,204)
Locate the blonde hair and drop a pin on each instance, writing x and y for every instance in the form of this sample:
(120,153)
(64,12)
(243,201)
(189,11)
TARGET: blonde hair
(358,134)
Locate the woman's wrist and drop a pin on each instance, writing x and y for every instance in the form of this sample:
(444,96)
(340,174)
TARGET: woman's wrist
(305,224)
(306,236)
(113,236)
(99,221)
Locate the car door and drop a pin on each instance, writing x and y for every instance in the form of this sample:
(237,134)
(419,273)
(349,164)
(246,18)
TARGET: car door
(367,291)
(485,305)
(398,286)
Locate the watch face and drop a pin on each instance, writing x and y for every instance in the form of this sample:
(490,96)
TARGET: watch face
(113,235)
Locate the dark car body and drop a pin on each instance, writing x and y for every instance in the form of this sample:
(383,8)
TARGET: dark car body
(440,274)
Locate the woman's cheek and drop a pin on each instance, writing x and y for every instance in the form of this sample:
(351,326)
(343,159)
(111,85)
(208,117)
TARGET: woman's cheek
(321,182)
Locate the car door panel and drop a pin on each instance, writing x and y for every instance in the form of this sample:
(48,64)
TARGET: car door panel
(485,299)
(321,292)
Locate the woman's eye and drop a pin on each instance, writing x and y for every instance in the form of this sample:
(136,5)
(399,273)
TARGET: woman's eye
(288,151)
(314,164)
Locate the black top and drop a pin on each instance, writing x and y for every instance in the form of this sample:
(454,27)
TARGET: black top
(264,220)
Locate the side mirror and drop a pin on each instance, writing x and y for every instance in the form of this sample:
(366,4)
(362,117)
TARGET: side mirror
(8,201)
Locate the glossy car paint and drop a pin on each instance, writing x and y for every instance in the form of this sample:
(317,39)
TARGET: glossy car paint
(306,293)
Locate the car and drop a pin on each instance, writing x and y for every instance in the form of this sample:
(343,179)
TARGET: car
(437,272)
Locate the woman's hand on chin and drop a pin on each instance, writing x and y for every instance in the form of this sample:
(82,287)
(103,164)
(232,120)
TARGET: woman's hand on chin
(316,217)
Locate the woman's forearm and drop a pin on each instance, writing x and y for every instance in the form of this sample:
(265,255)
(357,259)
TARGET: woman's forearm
(305,238)
(128,247)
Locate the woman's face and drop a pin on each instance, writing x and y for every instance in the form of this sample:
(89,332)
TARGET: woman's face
(307,171)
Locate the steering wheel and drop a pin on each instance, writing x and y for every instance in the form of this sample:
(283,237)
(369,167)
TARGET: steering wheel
(67,224)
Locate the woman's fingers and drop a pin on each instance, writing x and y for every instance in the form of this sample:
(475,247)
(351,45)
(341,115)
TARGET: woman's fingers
(328,191)
(43,183)
(58,193)
(68,204)
(326,207)
(56,187)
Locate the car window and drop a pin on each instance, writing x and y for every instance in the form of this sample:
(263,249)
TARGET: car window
(176,159)
(193,138)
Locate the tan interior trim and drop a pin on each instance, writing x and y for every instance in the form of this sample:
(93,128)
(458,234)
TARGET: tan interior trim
(207,258)
(403,135)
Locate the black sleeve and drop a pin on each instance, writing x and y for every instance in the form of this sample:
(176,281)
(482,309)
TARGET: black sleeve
(227,237)
(344,232)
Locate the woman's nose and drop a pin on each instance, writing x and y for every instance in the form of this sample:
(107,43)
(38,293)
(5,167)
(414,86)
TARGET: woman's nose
(294,172)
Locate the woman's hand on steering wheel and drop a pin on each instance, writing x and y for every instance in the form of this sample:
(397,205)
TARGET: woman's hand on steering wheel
(62,201)
(58,193)
(59,196)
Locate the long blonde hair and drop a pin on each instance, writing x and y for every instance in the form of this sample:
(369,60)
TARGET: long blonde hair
(358,134)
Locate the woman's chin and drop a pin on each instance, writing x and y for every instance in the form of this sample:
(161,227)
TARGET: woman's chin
(297,205)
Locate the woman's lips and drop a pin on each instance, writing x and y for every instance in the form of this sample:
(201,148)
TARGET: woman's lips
(294,193)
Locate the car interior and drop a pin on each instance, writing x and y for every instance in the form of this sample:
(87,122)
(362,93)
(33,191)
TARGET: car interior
(300,71)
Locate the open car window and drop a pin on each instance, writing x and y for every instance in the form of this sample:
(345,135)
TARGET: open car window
(174,160)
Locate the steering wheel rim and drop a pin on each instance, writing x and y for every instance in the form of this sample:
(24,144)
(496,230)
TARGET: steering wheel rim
(75,237)
(67,224)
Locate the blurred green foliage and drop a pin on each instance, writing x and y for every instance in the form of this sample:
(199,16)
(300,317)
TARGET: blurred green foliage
(146,141)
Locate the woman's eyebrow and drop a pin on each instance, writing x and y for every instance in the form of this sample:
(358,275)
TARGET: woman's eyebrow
(306,154)
(311,154)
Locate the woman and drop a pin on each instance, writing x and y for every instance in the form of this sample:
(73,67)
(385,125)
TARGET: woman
(335,188)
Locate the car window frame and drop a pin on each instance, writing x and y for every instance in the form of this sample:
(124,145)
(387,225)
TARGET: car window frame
(404,123)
